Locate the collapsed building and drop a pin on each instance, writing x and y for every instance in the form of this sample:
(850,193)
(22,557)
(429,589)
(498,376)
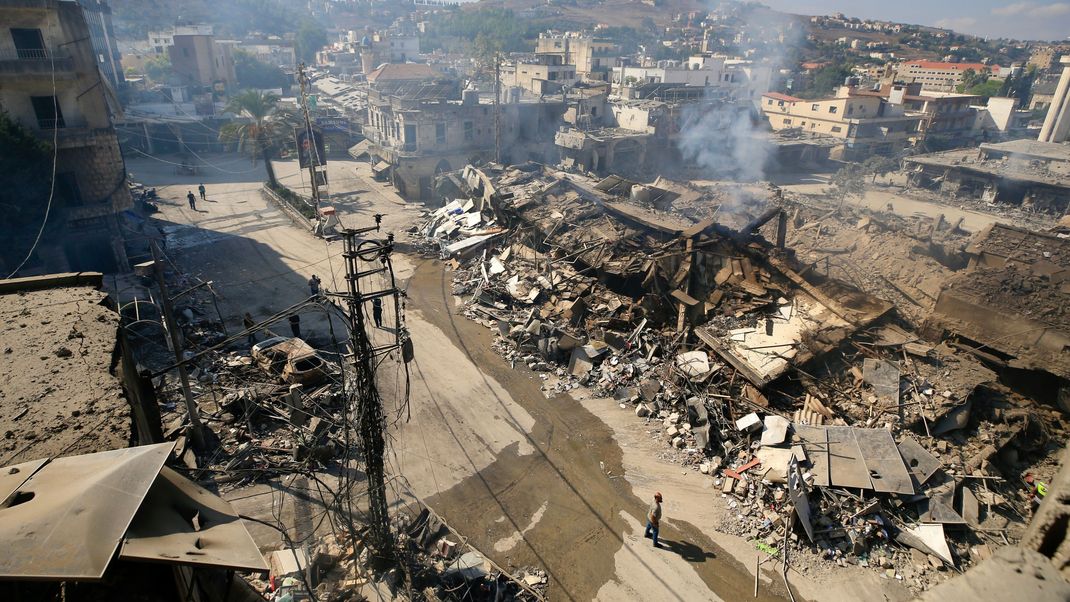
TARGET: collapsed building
(1025,173)
(827,422)
(1011,306)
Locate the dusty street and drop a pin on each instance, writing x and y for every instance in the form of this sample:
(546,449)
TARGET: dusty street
(559,483)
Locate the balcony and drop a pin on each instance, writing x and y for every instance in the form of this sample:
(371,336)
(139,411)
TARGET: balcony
(35,62)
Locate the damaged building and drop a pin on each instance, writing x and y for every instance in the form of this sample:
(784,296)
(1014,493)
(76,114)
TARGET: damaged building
(1030,174)
(1011,306)
(420,125)
(50,83)
(827,424)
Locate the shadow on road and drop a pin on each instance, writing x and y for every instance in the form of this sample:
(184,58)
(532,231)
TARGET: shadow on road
(687,550)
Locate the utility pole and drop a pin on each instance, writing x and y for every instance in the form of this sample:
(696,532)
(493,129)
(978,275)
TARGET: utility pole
(313,151)
(497,107)
(196,428)
(370,416)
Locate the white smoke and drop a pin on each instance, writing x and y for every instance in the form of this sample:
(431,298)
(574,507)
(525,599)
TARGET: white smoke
(723,139)
(729,140)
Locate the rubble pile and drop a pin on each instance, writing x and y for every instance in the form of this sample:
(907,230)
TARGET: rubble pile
(834,432)
(905,260)
(445,568)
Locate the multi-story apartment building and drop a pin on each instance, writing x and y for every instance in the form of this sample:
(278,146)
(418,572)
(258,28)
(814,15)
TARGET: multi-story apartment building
(867,125)
(544,74)
(421,126)
(50,83)
(161,40)
(98,18)
(593,58)
(949,117)
(730,77)
(271,50)
(939,76)
(201,60)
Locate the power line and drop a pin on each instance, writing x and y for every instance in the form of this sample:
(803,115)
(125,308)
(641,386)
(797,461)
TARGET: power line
(55,161)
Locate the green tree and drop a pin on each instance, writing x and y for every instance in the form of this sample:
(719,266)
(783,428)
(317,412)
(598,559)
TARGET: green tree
(254,74)
(827,79)
(25,184)
(263,130)
(850,180)
(158,69)
(971,79)
(487,51)
(987,88)
(311,38)
(879,165)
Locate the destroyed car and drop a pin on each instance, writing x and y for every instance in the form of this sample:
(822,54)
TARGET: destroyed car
(293,359)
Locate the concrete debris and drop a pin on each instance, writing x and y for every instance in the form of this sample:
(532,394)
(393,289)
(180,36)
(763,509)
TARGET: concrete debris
(745,359)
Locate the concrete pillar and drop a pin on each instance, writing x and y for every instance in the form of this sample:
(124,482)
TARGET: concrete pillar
(1057,122)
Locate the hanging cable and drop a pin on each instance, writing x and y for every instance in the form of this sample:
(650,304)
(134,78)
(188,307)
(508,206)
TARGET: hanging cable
(55,161)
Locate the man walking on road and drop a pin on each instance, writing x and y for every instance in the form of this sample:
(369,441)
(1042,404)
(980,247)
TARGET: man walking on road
(377,312)
(201,190)
(192,200)
(314,285)
(653,519)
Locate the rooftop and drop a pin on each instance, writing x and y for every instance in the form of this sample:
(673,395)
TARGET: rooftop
(1050,151)
(402,71)
(779,96)
(55,376)
(951,66)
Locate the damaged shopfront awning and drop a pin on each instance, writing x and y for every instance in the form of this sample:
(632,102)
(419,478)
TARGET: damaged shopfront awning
(64,519)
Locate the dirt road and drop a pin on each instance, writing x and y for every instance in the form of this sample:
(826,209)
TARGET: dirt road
(559,483)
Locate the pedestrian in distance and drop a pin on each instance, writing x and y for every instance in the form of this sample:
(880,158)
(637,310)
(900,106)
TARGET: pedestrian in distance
(201,190)
(192,200)
(314,285)
(295,325)
(653,519)
(377,311)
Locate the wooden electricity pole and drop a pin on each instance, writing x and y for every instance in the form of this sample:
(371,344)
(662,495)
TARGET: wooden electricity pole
(196,428)
(314,160)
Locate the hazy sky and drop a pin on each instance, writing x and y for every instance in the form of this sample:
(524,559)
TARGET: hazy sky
(1028,20)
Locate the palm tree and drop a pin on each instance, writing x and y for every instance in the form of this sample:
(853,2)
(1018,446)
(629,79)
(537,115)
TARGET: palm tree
(265,124)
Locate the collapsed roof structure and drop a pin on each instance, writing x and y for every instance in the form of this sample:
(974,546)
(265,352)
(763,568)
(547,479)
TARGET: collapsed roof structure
(685,267)
(809,401)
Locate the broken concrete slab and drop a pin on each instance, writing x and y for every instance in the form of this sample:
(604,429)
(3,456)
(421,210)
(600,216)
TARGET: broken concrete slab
(749,423)
(694,364)
(883,376)
(775,430)
(775,462)
(928,538)
(919,462)
(970,508)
